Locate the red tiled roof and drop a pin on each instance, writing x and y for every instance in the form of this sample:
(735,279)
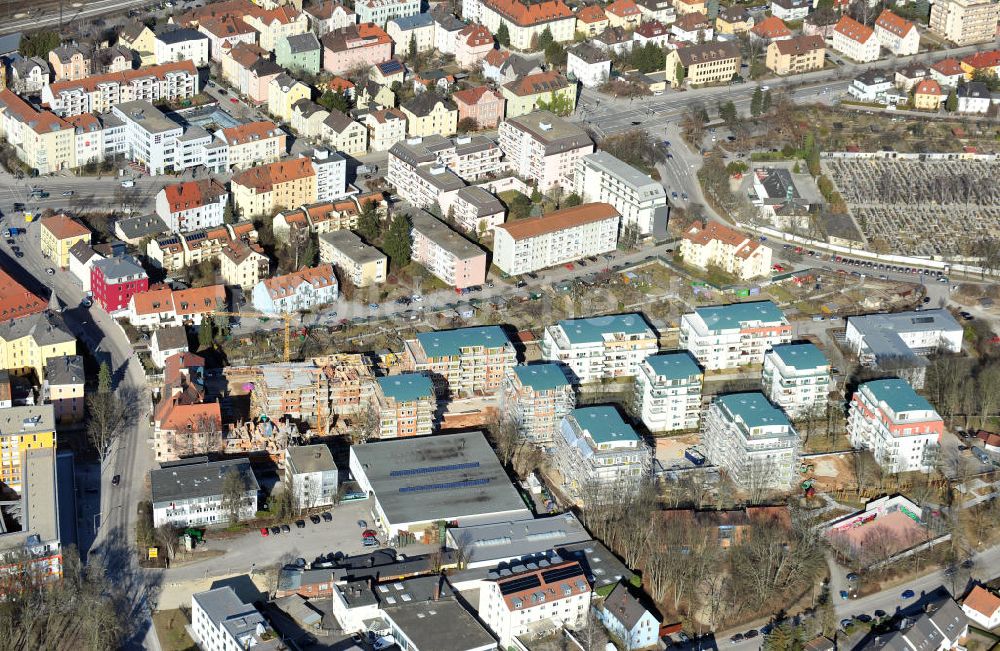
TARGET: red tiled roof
(853,30)
(540,82)
(949,67)
(587,213)
(622,8)
(550,592)
(89,84)
(982,601)
(251,131)
(476,35)
(893,24)
(928,87)
(701,234)
(591,14)
(471,96)
(771,27)
(692,22)
(651,29)
(800,45)
(496,58)
(64,227)
(287,285)
(192,194)
(531,14)
(15,299)
(980,60)
(246,54)
(263,178)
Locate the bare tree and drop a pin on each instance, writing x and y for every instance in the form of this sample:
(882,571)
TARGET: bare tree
(233,495)
(105,423)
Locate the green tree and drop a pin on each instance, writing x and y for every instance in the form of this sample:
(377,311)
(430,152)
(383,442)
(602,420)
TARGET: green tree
(545,39)
(951,104)
(555,54)
(467,125)
(728,113)
(233,489)
(572,200)
(104,379)
(39,44)
(333,101)
(784,637)
(206,334)
(679,74)
(757,102)
(503,35)
(369,225)
(411,51)
(812,154)
(397,241)
(765,105)
(561,104)
(520,206)
(228,214)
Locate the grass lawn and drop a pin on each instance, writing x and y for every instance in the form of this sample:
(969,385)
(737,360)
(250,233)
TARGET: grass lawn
(170,631)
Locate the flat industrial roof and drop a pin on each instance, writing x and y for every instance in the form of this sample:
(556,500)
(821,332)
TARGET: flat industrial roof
(443,625)
(441,477)
(179,481)
(488,542)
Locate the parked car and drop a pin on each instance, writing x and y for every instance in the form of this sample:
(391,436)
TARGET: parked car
(264,531)
(908,594)
(314,519)
(285,528)
(275,530)
(300,524)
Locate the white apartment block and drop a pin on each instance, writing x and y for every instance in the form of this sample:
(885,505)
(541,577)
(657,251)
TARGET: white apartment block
(182,44)
(563,236)
(382,11)
(600,347)
(595,447)
(900,341)
(476,210)
(542,147)
(331,173)
(730,336)
(421,183)
(896,34)
(311,473)
(796,377)
(668,392)
(751,440)
(964,22)
(151,137)
(192,205)
(714,244)
(535,399)
(900,427)
(638,199)
(549,594)
(220,621)
(464,361)
(99,93)
(855,41)
(189,493)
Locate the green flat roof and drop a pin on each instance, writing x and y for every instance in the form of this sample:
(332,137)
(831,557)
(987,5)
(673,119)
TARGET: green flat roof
(897,394)
(801,356)
(728,317)
(674,366)
(449,343)
(541,377)
(586,331)
(604,424)
(407,387)
(754,409)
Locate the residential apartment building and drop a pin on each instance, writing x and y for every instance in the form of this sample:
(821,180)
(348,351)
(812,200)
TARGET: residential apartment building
(283,92)
(544,148)
(419,29)
(274,24)
(253,143)
(181,44)
(597,450)
(796,55)
(247,68)
(901,428)
(361,264)
(714,244)
(974,97)
(589,65)
(896,34)
(525,21)
(796,377)
(300,53)
(99,93)
(462,362)
(220,621)
(476,210)
(386,127)
(406,405)
(708,63)
(380,12)
(535,399)
(355,46)
(264,189)
(446,254)
(32,550)
(668,392)
(600,347)
(58,234)
(224,33)
(327,16)
(151,138)
(300,290)
(70,62)
(691,27)
(175,252)
(189,493)
(751,440)
(311,473)
(430,114)
(114,281)
(41,139)
(527,245)
(325,216)
(64,388)
(730,336)
(22,430)
(243,265)
(536,91)
(855,41)
(191,205)
(30,341)
(163,306)
(641,201)
(312,392)
(472,44)
(344,134)
(530,597)
(28,75)
(965,22)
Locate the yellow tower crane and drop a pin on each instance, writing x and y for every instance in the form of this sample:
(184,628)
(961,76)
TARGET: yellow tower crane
(287,318)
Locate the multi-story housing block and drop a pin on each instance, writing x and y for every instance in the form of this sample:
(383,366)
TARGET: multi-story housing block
(164,306)
(220,621)
(266,188)
(176,251)
(191,205)
(361,264)
(639,200)
(476,210)
(600,347)
(525,21)
(380,12)
(896,34)
(405,404)
(597,449)
(355,46)
(311,473)
(446,254)
(181,44)
(41,139)
(901,428)
(23,429)
(964,22)
(253,143)
(64,388)
(714,244)
(243,265)
(97,94)
(730,336)
(327,16)
(115,280)
(705,63)
(796,55)
(855,41)
(751,440)
(28,342)
(668,392)
(70,62)
(58,234)
(796,377)
(544,148)
(535,399)
(527,245)
(300,290)
(462,362)
(532,92)
(190,493)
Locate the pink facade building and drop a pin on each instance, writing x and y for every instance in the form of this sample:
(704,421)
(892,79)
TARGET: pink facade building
(472,44)
(482,104)
(446,254)
(355,46)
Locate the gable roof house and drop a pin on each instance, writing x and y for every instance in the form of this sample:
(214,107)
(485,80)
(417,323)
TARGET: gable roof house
(855,41)
(532,92)
(628,620)
(526,20)
(296,291)
(896,34)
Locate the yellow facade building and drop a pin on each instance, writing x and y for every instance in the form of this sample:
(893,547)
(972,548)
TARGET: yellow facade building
(282,93)
(58,234)
(23,429)
(266,189)
(528,94)
(28,343)
(428,113)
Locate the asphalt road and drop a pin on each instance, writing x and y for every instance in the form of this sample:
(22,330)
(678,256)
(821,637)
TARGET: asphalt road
(72,12)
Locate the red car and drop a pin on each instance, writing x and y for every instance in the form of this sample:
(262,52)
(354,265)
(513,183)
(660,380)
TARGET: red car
(234,100)
(368,533)
(778,267)
(569,265)
(264,531)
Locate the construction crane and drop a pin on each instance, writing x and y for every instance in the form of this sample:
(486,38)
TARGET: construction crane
(287,318)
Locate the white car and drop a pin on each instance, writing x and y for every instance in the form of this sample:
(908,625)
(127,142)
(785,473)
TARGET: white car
(417,298)
(383,643)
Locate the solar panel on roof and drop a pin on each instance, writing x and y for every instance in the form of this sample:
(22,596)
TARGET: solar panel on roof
(445,485)
(562,573)
(519,584)
(422,471)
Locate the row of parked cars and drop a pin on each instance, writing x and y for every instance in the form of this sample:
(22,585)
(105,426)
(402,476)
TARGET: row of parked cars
(325,516)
